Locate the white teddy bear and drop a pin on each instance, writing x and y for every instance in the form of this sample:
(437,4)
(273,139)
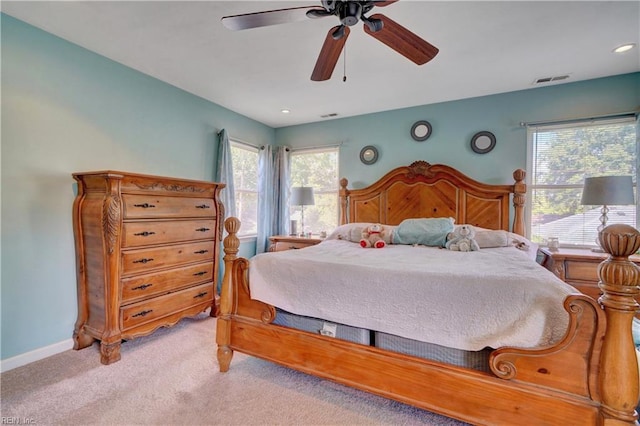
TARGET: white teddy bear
(462,239)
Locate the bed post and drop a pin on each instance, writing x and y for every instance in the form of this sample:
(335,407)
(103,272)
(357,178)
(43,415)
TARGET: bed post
(519,191)
(619,279)
(344,193)
(223,330)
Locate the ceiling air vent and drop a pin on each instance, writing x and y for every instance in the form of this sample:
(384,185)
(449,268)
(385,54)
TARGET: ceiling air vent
(544,80)
(333,114)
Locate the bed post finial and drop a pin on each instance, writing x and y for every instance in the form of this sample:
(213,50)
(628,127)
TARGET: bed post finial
(619,280)
(223,330)
(519,191)
(344,200)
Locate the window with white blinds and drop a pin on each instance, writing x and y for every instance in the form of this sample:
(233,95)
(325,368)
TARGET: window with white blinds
(317,168)
(245,180)
(561,157)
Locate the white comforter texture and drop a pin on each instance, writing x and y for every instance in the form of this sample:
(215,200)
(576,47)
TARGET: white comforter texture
(465,300)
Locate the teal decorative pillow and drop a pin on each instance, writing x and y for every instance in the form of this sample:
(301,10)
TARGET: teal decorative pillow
(428,231)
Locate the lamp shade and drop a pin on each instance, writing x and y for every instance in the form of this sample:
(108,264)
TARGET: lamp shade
(608,191)
(302,196)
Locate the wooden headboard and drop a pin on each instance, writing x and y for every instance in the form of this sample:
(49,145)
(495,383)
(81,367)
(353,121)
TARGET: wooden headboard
(426,190)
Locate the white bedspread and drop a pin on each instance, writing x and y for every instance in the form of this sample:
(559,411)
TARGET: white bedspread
(465,300)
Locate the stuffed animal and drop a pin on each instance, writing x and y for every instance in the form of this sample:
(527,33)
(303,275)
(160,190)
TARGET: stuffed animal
(462,239)
(373,236)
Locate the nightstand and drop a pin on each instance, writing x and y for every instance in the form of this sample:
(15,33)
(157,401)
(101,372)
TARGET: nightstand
(286,242)
(578,267)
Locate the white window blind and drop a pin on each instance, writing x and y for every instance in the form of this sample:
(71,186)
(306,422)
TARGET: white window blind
(245,180)
(317,168)
(561,157)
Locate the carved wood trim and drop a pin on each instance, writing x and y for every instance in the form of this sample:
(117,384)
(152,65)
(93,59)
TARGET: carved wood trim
(167,187)
(111,221)
(420,168)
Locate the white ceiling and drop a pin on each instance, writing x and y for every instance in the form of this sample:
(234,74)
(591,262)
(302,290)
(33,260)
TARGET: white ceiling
(485,48)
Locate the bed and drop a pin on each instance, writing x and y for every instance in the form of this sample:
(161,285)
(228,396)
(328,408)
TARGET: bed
(587,375)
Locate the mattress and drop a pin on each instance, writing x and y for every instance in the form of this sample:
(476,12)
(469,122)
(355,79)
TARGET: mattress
(475,360)
(326,328)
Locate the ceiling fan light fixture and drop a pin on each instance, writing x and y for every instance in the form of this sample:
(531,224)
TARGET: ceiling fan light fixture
(350,12)
(624,48)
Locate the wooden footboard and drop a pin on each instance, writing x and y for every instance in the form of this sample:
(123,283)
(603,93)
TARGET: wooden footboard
(590,377)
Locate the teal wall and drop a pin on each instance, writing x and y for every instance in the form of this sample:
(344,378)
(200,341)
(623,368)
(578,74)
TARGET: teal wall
(64,110)
(454,123)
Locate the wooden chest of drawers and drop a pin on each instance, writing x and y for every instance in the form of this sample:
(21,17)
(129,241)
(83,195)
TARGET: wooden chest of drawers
(147,255)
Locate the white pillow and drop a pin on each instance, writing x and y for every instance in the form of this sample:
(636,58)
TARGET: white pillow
(490,238)
(353,231)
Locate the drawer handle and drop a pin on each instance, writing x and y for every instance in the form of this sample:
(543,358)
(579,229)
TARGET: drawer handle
(198,274)
(201,252)
(145,205)
(294,248)
(203,294)
(145,260)
(203,206)
(144,234)
(142,313)
(202,229)
(142,287)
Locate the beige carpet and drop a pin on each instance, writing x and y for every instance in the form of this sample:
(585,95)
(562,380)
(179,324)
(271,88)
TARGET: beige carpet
(171,377)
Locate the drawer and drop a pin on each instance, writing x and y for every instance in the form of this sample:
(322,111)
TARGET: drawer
(137,234)
(148,206)
(144,260)
(161,306)
(143,286)
(290,245)
(581,271)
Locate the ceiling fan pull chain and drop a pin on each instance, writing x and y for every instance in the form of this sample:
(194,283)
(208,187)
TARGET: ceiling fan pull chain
(344,64)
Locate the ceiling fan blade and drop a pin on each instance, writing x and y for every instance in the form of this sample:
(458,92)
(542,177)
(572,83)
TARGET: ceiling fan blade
(269,17)
(383,3)
(403,41)
(329,55)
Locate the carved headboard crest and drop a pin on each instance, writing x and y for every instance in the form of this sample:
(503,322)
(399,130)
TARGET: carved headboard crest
(420,167)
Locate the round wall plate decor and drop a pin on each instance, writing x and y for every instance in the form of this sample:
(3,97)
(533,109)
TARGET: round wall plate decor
(483,142)
(421,130)
(369,154)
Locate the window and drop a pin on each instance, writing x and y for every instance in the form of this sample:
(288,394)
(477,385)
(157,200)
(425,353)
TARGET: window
(245,180)
(317,168)
(562,156)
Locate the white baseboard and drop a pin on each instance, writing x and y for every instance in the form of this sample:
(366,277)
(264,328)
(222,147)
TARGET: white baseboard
(35,355)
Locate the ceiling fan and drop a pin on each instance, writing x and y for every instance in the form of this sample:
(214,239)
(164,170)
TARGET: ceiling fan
(349,13)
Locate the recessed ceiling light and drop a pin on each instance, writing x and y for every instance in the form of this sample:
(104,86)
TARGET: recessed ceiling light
(285,111)
(624,48)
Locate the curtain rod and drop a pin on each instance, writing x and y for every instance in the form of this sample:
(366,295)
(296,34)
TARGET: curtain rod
(576,120)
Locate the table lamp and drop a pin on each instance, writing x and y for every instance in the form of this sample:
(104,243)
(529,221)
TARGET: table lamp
(607,191)
(302,196)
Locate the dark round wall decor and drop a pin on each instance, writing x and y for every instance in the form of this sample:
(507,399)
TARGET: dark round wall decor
(369,154)
(483,142)
(421,130)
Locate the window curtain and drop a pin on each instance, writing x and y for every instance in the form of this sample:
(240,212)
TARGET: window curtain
(273,194)
(224,174)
